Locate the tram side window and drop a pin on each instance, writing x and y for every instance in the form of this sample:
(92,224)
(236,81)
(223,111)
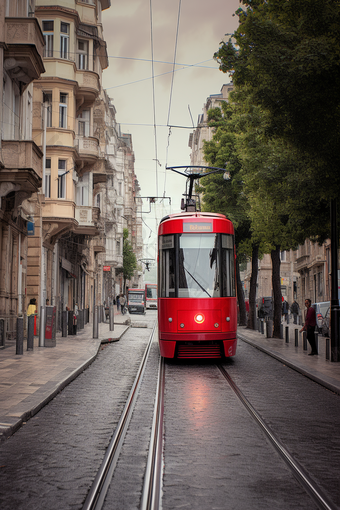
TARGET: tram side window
(167,266)
(228,269)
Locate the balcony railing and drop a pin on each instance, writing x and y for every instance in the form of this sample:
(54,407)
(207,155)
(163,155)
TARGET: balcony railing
(88,147)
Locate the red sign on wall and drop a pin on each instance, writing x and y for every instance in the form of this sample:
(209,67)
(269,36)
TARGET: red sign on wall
(106,268)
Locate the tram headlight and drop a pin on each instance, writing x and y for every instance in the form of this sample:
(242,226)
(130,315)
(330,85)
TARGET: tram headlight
(199,318)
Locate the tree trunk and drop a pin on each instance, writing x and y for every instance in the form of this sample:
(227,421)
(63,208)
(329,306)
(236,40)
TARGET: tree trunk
(276,284)
(252,291)
(240,298)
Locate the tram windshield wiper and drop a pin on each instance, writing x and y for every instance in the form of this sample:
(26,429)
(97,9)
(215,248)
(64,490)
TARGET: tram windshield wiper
(198,283)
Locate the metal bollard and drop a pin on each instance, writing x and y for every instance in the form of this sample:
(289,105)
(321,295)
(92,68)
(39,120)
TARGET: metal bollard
(20,336)
(269,328)
(64,324)
(262,326)
(95,322)
(42,326)
(281,330)
(327,348)
(296,338)
(30,332)
(80,323)
(112,318)
(316,336)
(287,334)
(304,336)
(2,333)
(70,322)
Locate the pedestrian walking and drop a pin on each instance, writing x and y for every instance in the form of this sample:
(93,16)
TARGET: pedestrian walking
(309,326)
(285,309)
(295,310)
(32,307)
(118,304)
(122,301)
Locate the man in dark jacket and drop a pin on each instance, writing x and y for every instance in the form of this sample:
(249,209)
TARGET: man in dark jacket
(295,310)
(309,326)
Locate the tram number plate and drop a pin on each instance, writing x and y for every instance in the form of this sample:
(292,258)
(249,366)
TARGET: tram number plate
(133,309)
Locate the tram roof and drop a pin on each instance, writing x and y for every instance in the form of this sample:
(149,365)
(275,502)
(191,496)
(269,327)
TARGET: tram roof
(196,214)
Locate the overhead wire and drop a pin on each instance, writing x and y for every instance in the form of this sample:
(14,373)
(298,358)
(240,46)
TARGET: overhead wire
(153,96)
(171,92)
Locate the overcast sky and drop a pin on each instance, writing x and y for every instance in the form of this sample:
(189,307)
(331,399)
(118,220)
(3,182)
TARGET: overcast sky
(189,32)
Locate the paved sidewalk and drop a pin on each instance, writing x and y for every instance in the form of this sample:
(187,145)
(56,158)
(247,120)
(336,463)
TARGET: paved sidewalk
(317,368)
(29,381)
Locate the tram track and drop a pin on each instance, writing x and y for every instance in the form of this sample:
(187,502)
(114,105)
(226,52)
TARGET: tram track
(96,496)
(300,474)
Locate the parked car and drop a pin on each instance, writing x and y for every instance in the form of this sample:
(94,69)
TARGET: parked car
(320,311)
(325,322)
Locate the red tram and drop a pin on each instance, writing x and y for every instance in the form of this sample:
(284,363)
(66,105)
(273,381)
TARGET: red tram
(197,310)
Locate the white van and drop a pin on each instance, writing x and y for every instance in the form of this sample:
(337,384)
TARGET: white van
(320,311)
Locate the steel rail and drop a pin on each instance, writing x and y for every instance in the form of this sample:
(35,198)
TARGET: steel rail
(300,474)
(152,489)
(96,496)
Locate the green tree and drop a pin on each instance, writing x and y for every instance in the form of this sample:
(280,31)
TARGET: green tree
(287,155)
(275,177)
(129,258)
(287,56)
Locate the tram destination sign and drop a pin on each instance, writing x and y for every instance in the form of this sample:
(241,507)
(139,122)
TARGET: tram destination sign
(195,226)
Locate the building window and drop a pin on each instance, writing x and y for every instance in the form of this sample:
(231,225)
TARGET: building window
(98,200)
(47,99)
(48,178)
(64,39)
(63,110)
(82,192)
(83,54)
(283,256)
(84,123)
(62,178)
(48,38)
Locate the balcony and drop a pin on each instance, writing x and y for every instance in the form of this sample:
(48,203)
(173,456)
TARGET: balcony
(22,161)
(58,218)
(88,149)
(24,49)
(99,171)
(87,218)
(99,245)
(88,86)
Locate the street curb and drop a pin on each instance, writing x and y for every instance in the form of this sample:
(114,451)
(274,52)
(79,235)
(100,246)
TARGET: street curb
(113,340)
(295,366)
(6,432)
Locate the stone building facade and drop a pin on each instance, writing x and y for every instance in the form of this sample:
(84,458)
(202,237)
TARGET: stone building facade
(66,197)
(21,62)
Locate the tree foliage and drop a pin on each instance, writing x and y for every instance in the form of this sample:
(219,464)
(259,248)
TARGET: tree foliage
(287,56)
(286,76)
(129,258)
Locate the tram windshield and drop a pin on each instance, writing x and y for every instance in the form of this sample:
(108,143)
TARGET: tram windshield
(196,265)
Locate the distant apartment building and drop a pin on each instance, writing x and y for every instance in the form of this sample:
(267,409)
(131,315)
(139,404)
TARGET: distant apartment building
(21,165)
(305,273)
(203,131)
